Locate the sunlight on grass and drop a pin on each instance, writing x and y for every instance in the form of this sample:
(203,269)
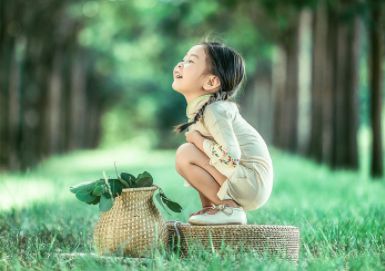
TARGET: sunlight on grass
(340,213)
(17,194)
(51,179)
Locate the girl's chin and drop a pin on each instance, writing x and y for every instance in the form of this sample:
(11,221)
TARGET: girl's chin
(174,87)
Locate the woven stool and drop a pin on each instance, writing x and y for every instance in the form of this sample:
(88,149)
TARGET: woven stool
(279,241)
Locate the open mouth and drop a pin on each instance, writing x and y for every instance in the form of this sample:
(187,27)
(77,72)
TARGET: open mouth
(178,76)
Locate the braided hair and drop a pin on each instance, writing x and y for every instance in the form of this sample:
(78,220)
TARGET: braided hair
(229,66)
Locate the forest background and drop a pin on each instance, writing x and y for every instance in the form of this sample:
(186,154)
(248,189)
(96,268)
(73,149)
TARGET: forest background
(85,84)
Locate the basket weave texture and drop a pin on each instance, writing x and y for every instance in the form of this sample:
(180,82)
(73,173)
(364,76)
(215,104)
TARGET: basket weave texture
(132,227)
(281,241)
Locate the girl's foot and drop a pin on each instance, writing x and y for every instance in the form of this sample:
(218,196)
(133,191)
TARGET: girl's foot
(221,214)
(202,211)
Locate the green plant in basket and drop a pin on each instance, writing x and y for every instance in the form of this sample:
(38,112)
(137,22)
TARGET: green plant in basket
(104,190)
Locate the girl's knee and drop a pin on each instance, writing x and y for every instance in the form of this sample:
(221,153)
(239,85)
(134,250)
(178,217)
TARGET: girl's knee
(184,152)
(182,158)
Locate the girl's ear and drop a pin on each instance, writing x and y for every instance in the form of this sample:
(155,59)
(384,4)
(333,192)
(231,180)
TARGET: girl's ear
(211,83)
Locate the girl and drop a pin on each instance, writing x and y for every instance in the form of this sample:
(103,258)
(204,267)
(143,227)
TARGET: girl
(225,159)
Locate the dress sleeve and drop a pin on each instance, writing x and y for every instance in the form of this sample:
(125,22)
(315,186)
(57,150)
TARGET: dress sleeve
(224,151)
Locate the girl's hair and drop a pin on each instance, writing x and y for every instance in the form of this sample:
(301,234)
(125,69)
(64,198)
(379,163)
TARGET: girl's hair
(229,66)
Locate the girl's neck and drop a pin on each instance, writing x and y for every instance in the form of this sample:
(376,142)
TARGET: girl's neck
(194,96)
(195,104)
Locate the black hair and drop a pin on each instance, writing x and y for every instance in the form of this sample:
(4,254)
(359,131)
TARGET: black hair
(226,63)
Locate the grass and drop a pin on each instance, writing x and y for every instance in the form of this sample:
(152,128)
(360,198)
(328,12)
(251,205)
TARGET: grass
(340,214)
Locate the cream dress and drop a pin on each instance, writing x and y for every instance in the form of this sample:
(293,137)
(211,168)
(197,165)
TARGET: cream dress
(236,150)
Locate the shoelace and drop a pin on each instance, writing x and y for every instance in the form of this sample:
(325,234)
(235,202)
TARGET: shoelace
(225,209)
(205,208)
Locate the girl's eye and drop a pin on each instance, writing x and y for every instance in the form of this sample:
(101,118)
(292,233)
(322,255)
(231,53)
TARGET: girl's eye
(189,61)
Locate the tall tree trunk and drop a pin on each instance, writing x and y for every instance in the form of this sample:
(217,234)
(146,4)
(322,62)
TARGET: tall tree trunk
(257,101)
(327,91)
(340,123)
(319,75)
(376,59)
(345,94)
(290,125)
(31,106)
(334,99)
(304,108)
(351,92)
(14,106)
(279,75)
(54,105)
(94,114)
(5,63)
(78,101)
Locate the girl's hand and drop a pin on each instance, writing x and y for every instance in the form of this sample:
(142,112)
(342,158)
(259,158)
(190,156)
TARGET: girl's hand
(193,136)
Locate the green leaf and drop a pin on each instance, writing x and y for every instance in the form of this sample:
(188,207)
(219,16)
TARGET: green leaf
(175,207)
(158,198)
(105,203)
(96,201)
(116,187)
(172,205)
(85,197)
(144,180)
(86,186)
(128,178)
(98,190)
(106,194)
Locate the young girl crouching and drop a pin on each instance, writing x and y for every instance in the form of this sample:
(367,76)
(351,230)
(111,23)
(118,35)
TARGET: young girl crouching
(225,159)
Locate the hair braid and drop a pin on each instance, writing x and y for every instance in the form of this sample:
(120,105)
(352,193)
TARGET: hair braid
(217,96)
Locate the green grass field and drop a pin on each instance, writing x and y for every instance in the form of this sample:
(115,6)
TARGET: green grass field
(341,214)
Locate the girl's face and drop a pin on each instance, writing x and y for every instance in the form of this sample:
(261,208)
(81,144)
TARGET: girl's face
(190,76)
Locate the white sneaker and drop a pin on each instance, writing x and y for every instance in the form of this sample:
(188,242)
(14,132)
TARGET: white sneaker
(224,215)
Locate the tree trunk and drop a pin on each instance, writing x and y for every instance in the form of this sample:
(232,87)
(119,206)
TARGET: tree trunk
(54,105)
(257,101)
(78,101)
(279,75)
(290,125)
(319,75)
(345,94)
(32,125)
(376,57)
(6,59)
(351,92)
(304,108)
(14,106)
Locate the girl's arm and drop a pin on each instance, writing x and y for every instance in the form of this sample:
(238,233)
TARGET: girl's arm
(224,152)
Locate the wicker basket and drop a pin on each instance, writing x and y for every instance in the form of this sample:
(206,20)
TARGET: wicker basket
(132,227)
(278,241)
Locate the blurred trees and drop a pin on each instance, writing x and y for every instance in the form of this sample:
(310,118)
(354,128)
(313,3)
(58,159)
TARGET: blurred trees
(334,124)
(71,69)
(51,95)
(334,78)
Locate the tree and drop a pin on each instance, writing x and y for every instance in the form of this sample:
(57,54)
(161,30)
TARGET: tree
(376,60)
(334,102)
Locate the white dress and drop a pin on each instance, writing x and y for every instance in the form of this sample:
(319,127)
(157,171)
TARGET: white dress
(236,150)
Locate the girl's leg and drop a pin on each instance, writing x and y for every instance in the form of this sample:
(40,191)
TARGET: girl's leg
(205,201)
(193,165)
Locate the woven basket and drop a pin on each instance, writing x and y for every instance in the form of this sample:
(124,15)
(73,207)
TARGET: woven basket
(278,241)
(132,227)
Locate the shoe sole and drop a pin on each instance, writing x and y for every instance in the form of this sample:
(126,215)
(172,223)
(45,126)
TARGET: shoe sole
(232,223)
